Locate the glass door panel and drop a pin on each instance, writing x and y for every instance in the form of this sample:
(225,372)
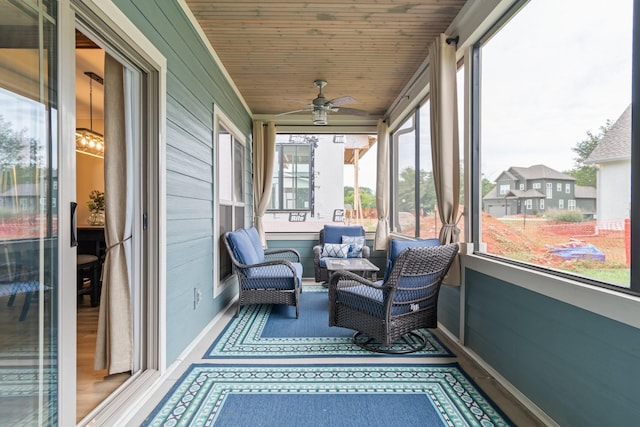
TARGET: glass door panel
(28,214)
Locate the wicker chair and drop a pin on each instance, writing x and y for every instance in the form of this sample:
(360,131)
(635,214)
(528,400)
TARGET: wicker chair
(333,234)
(264,277)
(384,314)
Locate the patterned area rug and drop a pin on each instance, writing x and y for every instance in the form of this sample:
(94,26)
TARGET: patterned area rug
(273,331)
(25,381)
(373,395)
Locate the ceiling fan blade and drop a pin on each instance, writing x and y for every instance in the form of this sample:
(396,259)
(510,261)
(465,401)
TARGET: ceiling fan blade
(343,100)
(297,101)
(294,111)
(353,112)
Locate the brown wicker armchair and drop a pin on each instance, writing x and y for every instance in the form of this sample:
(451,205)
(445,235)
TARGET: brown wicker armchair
(384,314)
(264,277)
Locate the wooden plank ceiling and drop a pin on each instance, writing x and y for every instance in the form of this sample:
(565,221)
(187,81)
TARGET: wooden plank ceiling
(366,49)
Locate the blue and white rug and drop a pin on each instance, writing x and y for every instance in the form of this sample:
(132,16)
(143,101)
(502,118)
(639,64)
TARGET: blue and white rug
(273,331)
(313,395)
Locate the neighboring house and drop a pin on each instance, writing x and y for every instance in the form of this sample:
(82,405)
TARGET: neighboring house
(533,190)
(612,158)
(21,198)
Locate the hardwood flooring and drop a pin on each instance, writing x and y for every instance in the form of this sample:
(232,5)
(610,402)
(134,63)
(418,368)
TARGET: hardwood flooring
(92,387)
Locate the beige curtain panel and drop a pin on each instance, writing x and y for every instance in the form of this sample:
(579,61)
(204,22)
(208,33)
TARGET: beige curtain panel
(445,144)
(382,188)
(264,151)
(114,344)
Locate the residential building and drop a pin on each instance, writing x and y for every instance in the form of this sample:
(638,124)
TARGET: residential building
(535,189)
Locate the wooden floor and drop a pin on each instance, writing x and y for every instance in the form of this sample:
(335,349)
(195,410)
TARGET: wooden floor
(92,386)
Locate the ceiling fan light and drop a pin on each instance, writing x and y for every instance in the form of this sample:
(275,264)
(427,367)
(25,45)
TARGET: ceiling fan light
(320,117)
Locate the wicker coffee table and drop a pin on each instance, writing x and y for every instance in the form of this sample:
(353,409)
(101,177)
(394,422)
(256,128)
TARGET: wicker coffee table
(361,266)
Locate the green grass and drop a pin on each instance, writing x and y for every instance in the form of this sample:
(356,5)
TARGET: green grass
(617,276)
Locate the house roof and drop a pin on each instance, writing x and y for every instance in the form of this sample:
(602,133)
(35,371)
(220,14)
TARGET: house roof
(22,190)
(616,142)
(520,194)
(584,192)
(526,194)
(539,172)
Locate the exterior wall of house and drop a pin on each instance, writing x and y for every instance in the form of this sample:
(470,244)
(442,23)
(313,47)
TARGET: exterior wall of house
(574,364)
(329,177)
(194,85)
(614,194)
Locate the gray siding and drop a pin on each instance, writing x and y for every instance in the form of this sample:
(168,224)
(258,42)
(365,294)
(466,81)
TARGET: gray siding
(194,85)
(449,308)
(579,367)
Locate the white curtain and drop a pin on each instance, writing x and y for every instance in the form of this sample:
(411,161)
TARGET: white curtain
(382,188)
(264,149)
(114,344)
(444,142)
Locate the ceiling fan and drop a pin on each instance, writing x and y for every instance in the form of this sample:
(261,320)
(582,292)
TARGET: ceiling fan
(321,106)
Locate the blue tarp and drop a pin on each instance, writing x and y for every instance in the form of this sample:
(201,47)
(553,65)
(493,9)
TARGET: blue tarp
(586,251)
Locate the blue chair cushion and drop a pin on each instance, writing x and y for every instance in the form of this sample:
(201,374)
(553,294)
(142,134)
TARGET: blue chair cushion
(244,248)
(272,277)
(356,243)
(372,301)
(396,246)
(334,233)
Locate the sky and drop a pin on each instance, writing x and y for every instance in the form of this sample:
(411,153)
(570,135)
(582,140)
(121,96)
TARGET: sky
(546,81)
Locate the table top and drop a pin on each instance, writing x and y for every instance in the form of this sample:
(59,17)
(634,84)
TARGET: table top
(350,264)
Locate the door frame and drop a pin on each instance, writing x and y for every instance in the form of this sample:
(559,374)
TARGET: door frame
(106,19)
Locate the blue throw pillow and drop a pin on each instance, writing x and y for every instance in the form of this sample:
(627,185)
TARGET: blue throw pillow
(356,243)
(335,250)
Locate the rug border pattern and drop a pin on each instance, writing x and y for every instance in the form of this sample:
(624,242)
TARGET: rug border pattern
(241,338)
(200,393)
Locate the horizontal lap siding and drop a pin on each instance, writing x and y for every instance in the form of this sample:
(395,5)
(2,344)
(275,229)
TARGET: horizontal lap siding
(194,84)
(449,308)
(579,367)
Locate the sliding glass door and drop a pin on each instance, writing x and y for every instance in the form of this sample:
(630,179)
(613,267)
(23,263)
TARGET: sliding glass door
(28,213)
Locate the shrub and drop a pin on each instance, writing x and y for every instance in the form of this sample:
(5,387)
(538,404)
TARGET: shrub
(562,215)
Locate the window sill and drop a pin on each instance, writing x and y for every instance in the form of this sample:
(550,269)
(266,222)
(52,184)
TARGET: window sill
(609,303)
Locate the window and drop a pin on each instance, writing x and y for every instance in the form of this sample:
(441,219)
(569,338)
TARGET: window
(528,204)
(293,173)
(521,187)
(230,163)
(414,204)
(504,189)
(310,185)
(602,201)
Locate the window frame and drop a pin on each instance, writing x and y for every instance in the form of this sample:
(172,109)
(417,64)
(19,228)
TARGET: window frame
(476,206)
(221,120)
(279,155)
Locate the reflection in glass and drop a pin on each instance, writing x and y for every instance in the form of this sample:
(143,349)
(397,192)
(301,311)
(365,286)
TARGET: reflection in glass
(28,218)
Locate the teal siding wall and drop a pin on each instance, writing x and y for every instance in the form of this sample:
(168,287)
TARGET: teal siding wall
(582,369)
(194,85)
(449,308)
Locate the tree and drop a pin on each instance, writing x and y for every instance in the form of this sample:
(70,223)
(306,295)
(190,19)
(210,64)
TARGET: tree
(585,174)
(487,186)
(367,197)
(12,144)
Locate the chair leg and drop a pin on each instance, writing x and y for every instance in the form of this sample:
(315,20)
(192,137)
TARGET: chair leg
(408,343)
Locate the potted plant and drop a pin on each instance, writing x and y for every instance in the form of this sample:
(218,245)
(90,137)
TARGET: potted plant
(96,208)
